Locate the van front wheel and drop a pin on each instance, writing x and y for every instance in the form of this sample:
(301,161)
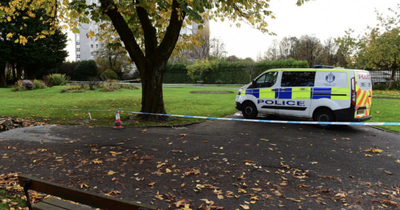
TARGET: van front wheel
(323,115)
(249,110)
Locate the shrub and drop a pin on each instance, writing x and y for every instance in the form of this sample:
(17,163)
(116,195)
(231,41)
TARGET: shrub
(73,89)
(112,85)
(57,79)
(109,74)
(68,68)
(17,86)
(27,84)
(85,70)
(39,84)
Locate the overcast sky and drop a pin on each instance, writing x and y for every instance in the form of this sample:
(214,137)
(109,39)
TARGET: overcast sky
(321,18)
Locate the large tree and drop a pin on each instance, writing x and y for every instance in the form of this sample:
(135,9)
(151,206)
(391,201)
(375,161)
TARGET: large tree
(378,48)
(383,50)
(150,30)
(25,47)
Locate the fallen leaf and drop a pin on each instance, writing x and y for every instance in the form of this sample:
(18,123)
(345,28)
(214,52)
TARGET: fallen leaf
(110,173)
(392,203)
(374,150)
(240,190)
(206,200)
(342,195)
(244,206)
(388,172)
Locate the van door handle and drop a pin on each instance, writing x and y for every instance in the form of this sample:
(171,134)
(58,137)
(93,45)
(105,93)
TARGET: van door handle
(274,89)
(283,89)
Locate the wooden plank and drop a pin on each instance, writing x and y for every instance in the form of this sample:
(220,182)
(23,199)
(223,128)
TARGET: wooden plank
(46,206)
(81,196)
(56,204)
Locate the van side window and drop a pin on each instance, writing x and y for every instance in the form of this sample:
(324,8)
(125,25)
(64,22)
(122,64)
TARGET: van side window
(266,80)
(298,79)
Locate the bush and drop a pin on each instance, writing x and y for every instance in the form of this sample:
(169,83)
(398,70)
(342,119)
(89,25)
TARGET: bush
(39,84)
(17,86)
(68,69)
(109,74)
(27,84)
(57,79)
(174,73)
(85,70)
(112,85)
(73,89)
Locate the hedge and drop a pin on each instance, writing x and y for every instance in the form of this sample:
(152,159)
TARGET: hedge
(224,72)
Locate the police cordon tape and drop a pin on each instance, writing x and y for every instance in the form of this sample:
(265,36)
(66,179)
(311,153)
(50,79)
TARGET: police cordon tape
(246,120)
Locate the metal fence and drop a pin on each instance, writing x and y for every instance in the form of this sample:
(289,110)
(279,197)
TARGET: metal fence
(383,76)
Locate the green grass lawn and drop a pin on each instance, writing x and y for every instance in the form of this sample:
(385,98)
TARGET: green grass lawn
(52,106)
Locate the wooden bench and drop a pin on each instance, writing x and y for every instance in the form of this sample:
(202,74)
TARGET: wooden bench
(72,194)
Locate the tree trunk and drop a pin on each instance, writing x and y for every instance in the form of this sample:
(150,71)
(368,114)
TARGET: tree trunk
(152,91)
(152,61)
(391,83)
(19,72)
(14,74)
(3,81)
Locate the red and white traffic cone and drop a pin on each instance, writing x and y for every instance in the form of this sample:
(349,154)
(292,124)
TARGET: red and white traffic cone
(118,123)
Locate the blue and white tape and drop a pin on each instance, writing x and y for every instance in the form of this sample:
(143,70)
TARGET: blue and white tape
(269,121)
(247,120)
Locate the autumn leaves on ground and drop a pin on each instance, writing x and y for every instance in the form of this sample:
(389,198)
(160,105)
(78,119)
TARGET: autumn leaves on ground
(178,169)
(240,166)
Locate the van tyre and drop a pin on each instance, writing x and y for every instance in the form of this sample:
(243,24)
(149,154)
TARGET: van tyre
(249,110)
(324,115)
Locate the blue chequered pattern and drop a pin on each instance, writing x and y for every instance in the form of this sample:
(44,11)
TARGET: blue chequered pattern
(254,92)
(286,94)
(317,93)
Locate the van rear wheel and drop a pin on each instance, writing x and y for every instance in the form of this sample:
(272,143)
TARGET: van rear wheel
(249,110)
(323,115)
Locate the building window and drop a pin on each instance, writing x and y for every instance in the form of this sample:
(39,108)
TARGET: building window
(78,49)
(91,46)
(78,56)
(97,46)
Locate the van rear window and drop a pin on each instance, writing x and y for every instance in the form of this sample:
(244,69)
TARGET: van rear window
(298,79)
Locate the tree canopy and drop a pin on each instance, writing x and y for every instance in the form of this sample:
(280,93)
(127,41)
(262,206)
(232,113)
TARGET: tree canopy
(378,48)
(149,30)
(22,45)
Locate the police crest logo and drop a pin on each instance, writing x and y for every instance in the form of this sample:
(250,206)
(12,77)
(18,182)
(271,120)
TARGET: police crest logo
(330,77)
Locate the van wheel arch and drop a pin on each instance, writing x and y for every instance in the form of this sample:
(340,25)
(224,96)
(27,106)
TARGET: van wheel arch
(249,110)
(323,114)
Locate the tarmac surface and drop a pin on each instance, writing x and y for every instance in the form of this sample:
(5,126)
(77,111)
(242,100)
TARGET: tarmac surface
(216,164)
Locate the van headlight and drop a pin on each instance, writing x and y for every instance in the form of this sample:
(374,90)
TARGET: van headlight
(239,92)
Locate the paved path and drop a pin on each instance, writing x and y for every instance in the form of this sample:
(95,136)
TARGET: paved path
(215,164)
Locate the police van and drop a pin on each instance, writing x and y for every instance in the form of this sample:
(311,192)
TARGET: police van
(320,94)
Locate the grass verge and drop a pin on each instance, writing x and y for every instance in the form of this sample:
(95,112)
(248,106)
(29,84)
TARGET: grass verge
(54,107)
(71,108)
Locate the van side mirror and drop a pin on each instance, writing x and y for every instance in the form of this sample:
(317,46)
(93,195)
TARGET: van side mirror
(253,84)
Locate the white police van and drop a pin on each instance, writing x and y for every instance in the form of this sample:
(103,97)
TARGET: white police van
(320,94)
